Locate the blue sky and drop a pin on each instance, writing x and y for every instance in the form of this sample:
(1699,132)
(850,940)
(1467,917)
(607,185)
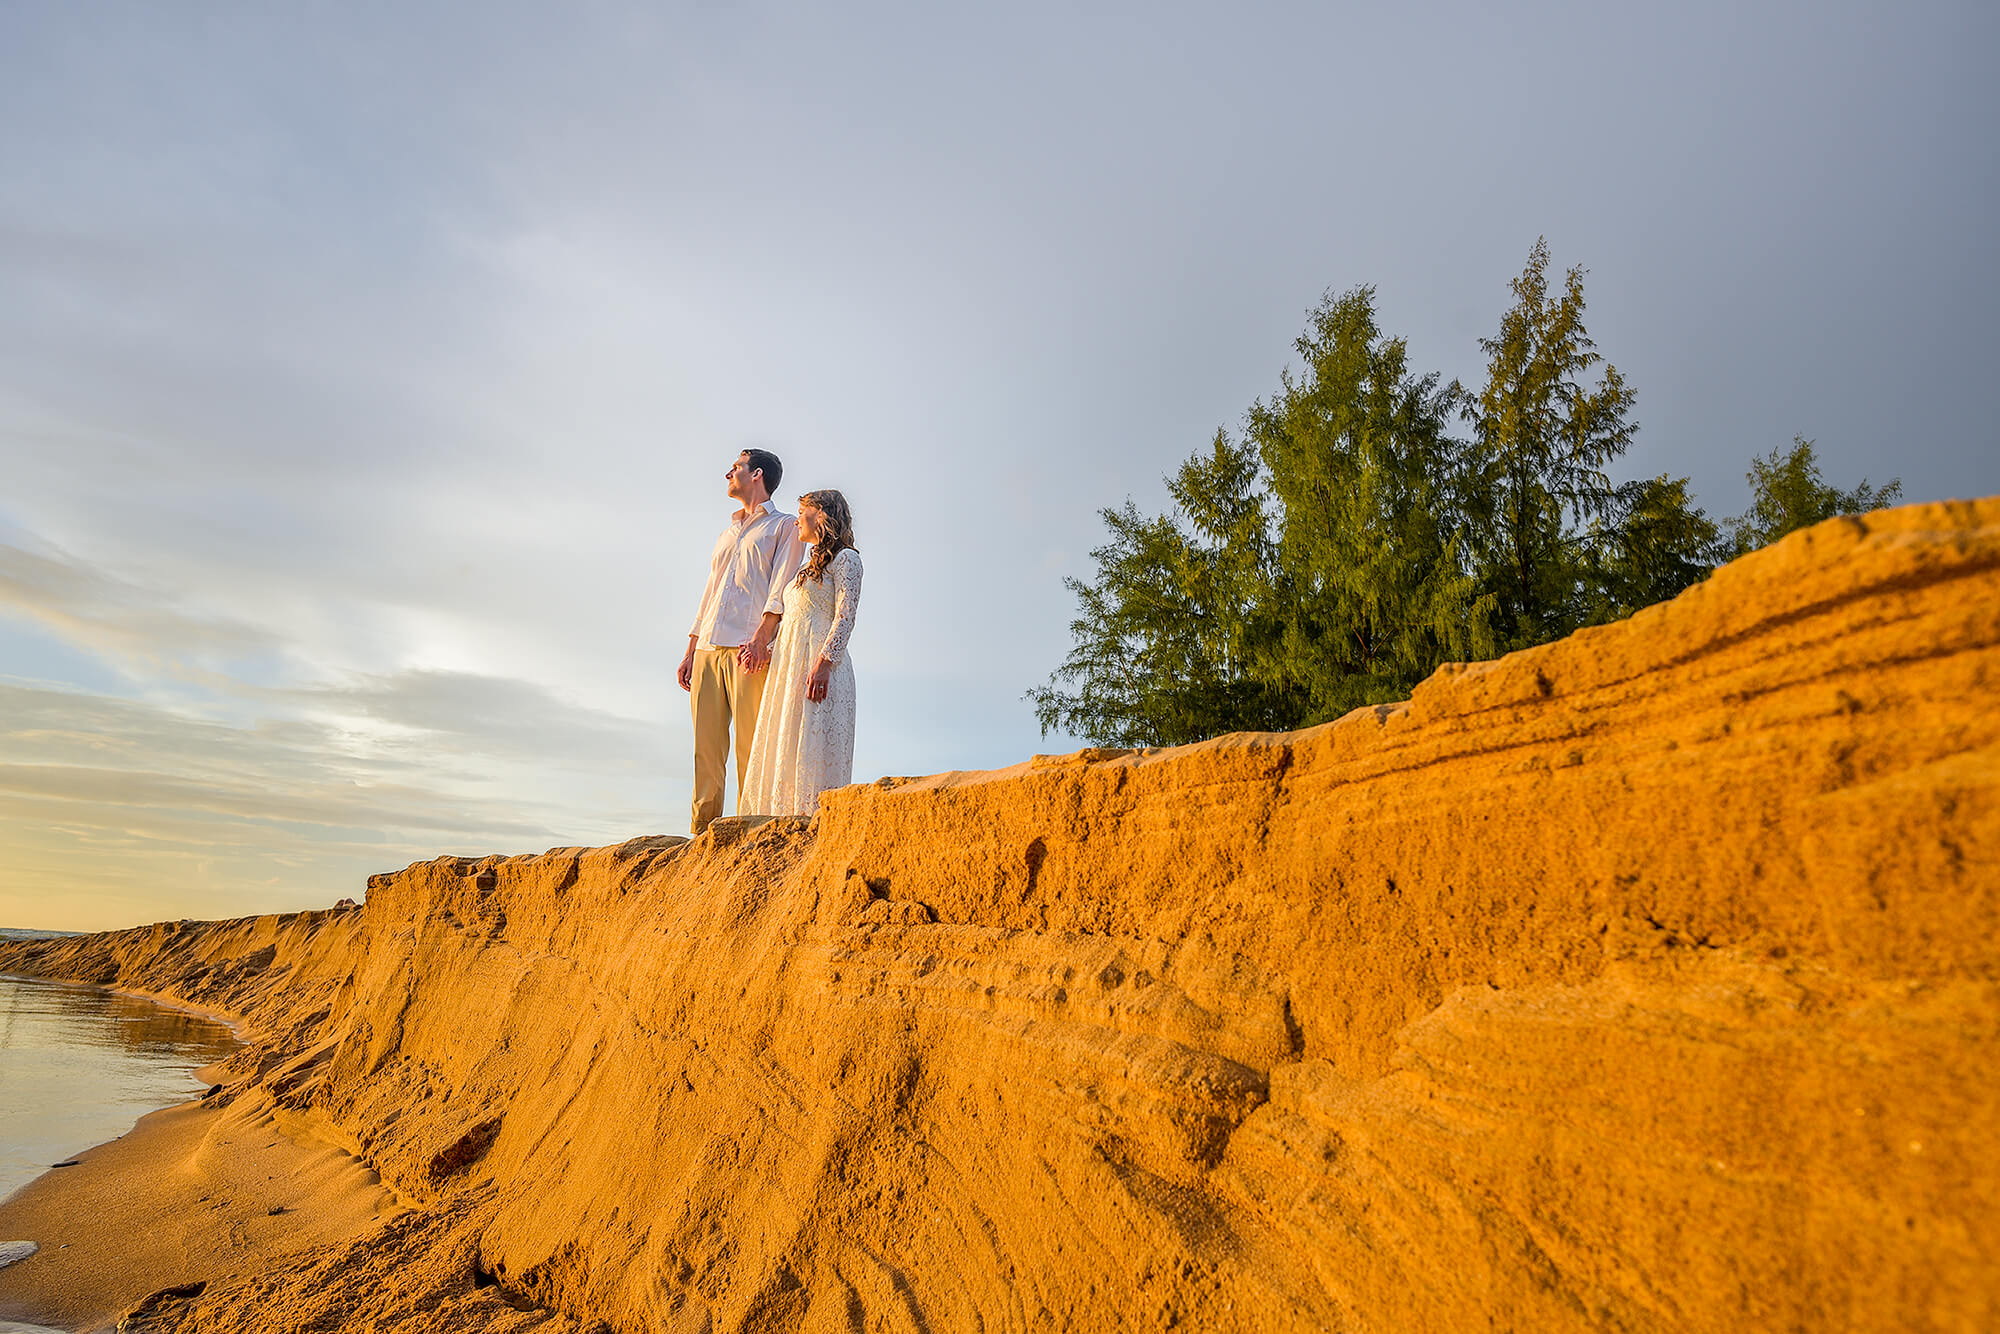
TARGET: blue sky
(367,372)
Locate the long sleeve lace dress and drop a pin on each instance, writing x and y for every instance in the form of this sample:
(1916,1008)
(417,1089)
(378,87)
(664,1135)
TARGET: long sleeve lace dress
(802,747)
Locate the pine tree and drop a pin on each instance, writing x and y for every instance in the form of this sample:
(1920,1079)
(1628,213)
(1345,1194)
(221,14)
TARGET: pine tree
(1167,635)
(1544,438)
(1374,591)
(1658,543)
(1788,492)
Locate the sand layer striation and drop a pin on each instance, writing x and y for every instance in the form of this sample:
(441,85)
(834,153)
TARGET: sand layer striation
(1643,981)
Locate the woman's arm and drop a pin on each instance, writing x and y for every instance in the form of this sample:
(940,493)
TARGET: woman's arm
(845,571)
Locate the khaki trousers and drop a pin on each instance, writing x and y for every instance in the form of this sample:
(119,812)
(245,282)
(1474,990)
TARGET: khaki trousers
(722,692)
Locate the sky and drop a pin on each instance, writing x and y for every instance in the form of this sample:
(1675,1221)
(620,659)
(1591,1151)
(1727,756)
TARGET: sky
(368,372)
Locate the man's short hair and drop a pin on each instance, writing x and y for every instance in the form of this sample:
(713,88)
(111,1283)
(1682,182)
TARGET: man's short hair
(764,461)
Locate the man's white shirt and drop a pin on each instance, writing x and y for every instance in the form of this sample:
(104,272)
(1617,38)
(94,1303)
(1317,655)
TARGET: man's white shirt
(756,556)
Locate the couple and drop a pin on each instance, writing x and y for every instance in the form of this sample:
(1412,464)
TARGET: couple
(792,701)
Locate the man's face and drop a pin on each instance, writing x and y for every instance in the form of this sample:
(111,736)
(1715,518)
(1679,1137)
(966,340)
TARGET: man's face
(740,475)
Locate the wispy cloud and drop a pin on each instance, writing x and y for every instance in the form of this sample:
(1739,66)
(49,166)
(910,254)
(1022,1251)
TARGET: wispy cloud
(461,713)
(119,619)
(261,789)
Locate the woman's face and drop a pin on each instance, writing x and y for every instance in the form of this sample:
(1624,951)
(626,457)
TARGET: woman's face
(811,523)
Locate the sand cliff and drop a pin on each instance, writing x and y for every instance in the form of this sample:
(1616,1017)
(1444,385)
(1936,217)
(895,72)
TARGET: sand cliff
(1643,981)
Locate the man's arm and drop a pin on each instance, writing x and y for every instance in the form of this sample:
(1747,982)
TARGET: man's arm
(709,592)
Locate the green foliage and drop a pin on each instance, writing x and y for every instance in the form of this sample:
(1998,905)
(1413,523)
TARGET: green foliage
(1542,502)
(1201,621)
(1372,593)
(1787,493)
(1164,639)
(1349,544)
(1660,543)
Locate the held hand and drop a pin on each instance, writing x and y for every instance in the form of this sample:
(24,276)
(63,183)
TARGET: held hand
(686,674)
(816,683)
(755,656)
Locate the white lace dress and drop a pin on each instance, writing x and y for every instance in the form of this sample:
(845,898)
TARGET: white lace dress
(802,747)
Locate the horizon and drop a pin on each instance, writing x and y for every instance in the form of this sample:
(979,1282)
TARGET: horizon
(370,374)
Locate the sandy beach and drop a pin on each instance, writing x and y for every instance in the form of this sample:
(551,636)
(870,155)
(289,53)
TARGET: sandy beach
(191,1194)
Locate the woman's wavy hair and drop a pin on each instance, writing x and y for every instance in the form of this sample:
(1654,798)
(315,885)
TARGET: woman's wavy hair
(839,535)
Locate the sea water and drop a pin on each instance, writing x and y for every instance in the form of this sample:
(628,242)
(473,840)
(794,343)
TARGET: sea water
(80,1064)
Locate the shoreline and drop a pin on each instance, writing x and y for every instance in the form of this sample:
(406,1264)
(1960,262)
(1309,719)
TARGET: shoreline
(191,1193)
(197,1082)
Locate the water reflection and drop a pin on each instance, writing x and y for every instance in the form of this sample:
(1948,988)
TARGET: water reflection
(78,1065)
(85,1016)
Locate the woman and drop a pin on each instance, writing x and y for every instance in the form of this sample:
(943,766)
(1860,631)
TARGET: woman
(804,742)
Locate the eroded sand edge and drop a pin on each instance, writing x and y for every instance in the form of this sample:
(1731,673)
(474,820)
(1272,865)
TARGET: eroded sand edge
(1647,980)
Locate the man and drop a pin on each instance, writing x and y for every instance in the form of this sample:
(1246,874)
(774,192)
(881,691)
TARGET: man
(730,644)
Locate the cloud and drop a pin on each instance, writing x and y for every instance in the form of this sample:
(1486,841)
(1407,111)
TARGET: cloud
(225,776)
(98,791)
(465,713)
(123,620)
(331,804)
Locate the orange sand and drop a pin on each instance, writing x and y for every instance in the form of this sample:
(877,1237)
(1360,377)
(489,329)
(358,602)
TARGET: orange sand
(1647,981)
(186,1196)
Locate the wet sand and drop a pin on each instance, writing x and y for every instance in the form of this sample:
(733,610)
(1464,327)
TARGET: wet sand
(191,1194)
